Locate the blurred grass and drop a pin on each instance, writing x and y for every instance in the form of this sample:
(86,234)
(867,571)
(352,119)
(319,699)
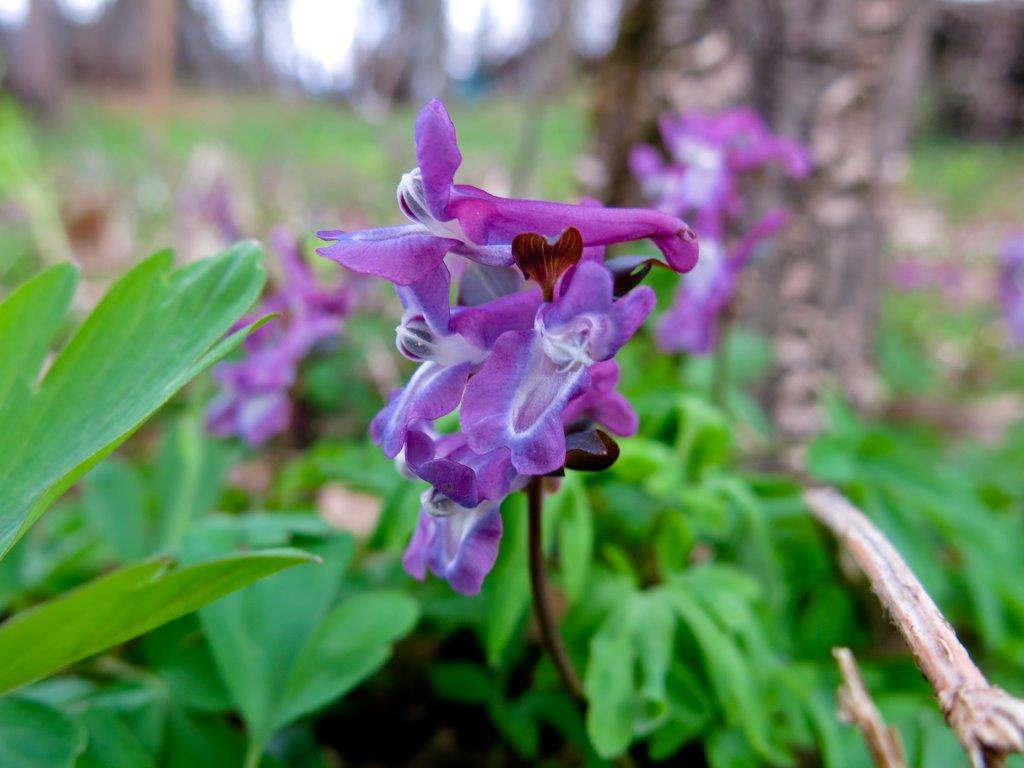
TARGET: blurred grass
(968,179)
(329,148)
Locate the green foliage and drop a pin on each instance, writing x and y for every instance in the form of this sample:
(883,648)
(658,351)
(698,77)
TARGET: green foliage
(153,331)
(33,735)
(281,648)
(114,608)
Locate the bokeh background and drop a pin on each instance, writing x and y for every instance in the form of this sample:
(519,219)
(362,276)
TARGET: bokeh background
(870,349)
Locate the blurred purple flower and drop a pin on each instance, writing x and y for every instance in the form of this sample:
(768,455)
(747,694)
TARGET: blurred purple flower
(692,323)
(1011,286)
(525,348)
(709,155)
(253,403)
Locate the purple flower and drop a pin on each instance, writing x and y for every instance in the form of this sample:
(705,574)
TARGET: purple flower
(448,345)
(710,153)
(1011,287)
(692,324)
(517,399)
(459,526)
(524,349)
(253,403)
(463,220)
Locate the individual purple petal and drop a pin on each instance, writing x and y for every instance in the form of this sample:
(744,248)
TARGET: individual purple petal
(488,220)
(516,400)
(483,324)
(433,391)
(428,297)
(437,155)
(601,403)
(460,548)
(460,474)
(586,313)
(455,480)
(399,254)
(480,283)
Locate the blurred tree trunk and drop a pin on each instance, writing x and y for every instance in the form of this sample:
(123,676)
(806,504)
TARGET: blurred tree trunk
(424,39)
(548,73)
(36,72)
(259,44)
(840,76)
(161,50)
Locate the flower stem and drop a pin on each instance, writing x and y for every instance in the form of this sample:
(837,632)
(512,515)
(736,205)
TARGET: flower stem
(541,596)
(550,637)
(720,364)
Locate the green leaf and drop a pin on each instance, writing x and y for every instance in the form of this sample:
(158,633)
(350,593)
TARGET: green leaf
(353,641)
(34,735)
(574,519)
(116,504)
(29,319)
(200,742)
(465,682)
(625,681)
(187,479)
(732,678)
(119,606)
(112,744)
(506,592)
(180,656)
(257,634)
(153,331)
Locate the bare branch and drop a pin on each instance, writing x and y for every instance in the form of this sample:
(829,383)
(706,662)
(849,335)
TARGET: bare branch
(856,707)
(988,722)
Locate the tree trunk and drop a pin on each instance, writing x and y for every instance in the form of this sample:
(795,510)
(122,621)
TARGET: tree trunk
(838,75)
(161,54)
(36,71)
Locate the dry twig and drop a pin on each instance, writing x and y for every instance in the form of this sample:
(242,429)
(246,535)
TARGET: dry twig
(856,707)
(988,722)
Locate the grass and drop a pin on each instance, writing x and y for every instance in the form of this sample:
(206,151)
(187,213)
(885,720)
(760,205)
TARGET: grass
(969,180)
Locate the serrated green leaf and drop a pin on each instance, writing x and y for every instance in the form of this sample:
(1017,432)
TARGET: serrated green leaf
(625,681)
(153,331)
(119,606)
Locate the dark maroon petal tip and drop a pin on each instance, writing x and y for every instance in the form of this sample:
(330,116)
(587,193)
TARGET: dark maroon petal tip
(543,261)
(591,450)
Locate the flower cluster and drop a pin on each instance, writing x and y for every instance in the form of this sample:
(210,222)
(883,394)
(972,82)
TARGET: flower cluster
(524,349)
(254,402)
(710,155)
(1011,286)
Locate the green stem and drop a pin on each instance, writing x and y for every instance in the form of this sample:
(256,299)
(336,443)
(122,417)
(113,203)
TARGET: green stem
(253,753)
(720,364)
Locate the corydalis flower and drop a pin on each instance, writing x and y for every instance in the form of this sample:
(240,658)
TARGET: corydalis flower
(709,154)
(469,222)
(526,370)
(254,403)
(692,324)
(525,349)
(1011,287)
